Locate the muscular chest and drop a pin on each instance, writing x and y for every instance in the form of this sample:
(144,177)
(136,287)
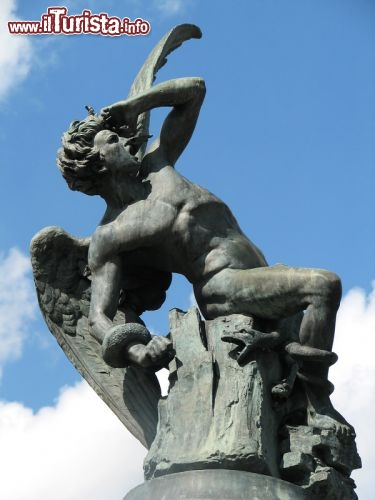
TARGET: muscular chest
(144,224)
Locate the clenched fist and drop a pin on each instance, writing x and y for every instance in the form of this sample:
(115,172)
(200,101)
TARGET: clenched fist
(156,354)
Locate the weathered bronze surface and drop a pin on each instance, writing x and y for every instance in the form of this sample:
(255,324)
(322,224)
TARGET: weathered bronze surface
(249,384)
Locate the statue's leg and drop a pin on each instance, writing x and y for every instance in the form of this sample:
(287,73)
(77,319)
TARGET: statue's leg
(278,292)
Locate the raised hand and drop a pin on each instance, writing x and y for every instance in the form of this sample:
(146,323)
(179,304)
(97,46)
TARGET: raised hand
(120,115)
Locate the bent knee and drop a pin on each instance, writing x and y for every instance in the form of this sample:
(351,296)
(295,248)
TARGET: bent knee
(329,286)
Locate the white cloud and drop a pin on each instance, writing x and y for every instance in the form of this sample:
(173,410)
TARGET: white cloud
(17,304)
(171,7)
(15,50)
(73,450)
(163,378)
(354,377)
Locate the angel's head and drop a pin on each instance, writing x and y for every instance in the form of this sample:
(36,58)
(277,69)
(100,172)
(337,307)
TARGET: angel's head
(79,159)
(114,151)
(90,153)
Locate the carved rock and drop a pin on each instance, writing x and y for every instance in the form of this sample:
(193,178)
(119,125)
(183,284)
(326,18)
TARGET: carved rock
(320,462)
(217,414)
(220,415)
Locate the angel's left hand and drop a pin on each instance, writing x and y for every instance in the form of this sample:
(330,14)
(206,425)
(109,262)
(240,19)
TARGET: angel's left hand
(119,115)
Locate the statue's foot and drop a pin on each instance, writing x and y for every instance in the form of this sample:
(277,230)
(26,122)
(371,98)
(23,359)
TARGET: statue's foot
(322,414)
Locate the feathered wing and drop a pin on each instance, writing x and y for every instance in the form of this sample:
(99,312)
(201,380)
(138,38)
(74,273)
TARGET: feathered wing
(59,263)
(61,276)
(156,60)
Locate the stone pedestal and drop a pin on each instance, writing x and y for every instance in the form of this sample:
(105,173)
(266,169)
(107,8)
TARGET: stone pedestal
(222,433)
(218,414)
(217,484)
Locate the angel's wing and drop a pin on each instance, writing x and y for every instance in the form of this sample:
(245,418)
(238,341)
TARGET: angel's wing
(63,286)
(156,60)
(61,275)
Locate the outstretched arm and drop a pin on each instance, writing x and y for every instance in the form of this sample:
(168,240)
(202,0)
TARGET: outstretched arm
(185,95)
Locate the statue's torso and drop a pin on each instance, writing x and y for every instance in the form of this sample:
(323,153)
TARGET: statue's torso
(180,227)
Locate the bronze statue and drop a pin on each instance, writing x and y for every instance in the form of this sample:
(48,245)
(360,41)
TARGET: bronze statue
(158,223)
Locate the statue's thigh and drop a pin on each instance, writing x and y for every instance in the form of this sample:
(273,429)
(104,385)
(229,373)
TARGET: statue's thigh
(270,292)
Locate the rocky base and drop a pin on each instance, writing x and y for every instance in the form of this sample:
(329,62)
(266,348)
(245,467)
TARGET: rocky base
(320,462)
(218,414)
(222,414)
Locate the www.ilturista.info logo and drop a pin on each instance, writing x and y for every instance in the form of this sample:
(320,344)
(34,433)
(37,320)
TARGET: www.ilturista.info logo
(57,22)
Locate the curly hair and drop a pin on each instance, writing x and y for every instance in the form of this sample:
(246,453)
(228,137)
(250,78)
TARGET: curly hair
(78,159)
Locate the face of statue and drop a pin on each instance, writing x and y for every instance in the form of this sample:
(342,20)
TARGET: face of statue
(112,150)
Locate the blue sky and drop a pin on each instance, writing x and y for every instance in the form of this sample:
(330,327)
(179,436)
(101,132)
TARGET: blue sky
(285,137)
